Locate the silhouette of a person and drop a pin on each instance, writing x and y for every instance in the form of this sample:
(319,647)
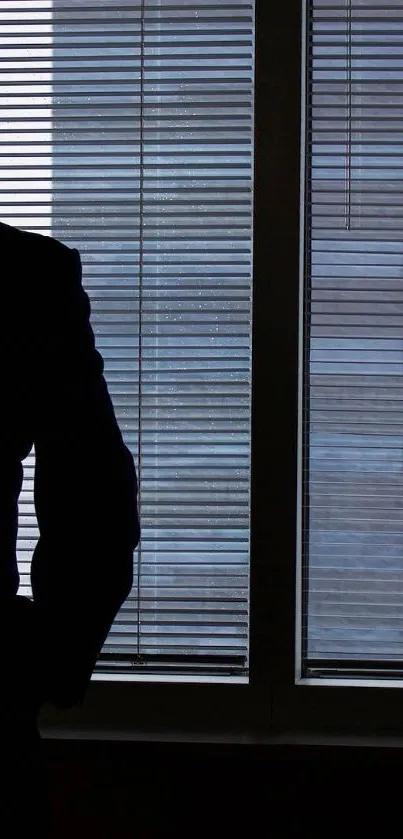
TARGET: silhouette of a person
(55,398)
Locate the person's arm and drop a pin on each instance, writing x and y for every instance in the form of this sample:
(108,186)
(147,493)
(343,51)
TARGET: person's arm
(85,489)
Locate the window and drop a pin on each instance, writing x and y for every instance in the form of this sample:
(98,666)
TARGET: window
(354,346)
(128,130)
(326,404)
(311,339)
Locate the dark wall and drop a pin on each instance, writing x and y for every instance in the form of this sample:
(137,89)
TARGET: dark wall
(146,789)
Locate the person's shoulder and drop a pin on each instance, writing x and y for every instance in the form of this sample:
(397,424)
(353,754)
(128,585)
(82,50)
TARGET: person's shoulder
(32,243)
(40,270)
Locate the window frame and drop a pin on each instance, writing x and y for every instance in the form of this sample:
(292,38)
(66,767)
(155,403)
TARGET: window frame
(277,699)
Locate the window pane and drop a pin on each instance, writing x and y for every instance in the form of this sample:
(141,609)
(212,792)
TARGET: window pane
(148,172)
(354,334)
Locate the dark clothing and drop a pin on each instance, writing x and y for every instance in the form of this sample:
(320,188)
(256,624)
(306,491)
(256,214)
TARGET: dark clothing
(56,399)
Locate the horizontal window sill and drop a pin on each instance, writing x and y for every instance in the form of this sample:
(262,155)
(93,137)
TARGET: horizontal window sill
(292,743)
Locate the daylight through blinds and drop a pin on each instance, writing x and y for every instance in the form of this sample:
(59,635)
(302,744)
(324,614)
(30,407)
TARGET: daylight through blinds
(354,332)
(126,132)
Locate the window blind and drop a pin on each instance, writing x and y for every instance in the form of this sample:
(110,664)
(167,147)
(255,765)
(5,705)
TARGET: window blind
(353,534)
(126,130)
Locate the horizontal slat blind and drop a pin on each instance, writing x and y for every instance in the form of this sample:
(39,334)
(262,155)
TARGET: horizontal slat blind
(149,146)
(26,199)
(354,514)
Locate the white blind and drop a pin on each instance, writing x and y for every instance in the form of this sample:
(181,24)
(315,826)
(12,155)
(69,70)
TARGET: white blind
(354,331)
(126,130)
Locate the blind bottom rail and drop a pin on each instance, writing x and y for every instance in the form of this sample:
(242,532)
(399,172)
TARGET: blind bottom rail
(167,664)
(360,669)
